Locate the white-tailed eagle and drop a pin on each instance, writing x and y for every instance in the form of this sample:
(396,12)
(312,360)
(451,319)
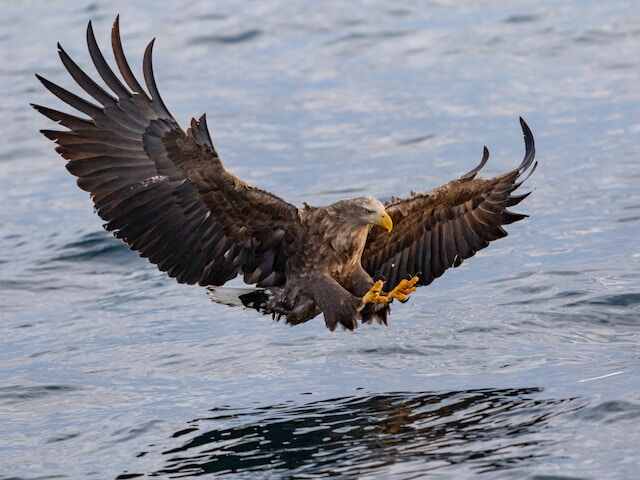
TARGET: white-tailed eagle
(164,191)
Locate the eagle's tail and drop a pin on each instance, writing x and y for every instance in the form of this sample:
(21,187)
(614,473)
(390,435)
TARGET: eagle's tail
(254,298)
(263,300)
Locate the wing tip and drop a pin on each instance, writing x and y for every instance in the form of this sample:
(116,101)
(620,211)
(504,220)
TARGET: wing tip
(40,109)
(529,146)
(115,27)
(470,175)
(90,33)
(52,135)
(148,51)
(44,81)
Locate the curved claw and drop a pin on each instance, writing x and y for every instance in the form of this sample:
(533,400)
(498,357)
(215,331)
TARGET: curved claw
(375,295)
(405,288)
(401,292)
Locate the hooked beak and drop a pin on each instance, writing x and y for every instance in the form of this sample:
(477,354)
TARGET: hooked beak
(385,222)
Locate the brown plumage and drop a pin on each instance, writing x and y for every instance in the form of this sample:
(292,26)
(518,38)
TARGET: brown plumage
(165,192)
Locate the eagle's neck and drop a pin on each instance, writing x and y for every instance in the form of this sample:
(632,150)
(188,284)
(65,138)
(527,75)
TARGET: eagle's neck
(348,241)
(333,240)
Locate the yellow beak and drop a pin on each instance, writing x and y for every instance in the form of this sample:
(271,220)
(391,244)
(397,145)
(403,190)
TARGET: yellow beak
(385,222)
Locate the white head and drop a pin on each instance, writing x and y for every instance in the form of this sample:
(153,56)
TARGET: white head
(364,211)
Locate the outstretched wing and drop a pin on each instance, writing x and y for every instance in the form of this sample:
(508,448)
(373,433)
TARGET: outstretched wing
(439,229)
(162,190)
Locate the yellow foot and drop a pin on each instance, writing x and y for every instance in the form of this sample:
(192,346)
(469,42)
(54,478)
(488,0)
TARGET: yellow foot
(404,289)
(375,295)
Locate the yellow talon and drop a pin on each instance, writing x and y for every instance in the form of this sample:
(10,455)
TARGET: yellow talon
(375,295)
(401,292)
(405,288)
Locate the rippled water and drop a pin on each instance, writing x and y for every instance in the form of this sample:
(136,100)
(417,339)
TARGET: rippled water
(523,363)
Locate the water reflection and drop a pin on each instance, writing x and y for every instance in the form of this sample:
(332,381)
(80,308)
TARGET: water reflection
(486,430)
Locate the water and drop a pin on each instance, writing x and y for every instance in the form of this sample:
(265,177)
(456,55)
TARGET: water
(523,363)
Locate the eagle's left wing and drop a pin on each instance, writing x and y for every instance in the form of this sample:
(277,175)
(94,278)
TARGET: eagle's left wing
(437,230)
(161,189)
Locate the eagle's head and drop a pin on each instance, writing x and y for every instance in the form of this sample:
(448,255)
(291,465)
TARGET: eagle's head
(363,211)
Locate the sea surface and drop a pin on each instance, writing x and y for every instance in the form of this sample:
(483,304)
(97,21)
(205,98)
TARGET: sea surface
(522,364)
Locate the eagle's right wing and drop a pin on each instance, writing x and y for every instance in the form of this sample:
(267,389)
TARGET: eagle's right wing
(436,230)
(162,190)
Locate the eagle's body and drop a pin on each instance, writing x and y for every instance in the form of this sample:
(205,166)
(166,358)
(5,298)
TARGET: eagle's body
(165,192)
(327,275)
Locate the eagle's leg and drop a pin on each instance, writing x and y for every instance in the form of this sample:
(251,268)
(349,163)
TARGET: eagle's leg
(338,305)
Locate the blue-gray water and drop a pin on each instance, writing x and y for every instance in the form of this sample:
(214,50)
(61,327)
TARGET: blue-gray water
(523,363)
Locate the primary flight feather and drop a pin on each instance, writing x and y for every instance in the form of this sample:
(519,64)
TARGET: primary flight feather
(165,192)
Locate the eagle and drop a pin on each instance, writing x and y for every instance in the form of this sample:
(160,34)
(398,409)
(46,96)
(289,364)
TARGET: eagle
(165,192)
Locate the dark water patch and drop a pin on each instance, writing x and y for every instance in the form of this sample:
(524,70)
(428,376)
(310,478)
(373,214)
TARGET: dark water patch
(392,350)
(522,18)
(15,284)
(227,39)
(126,434)
(415,140)
(600,36)
(62,438)
(486,430)
(555,477)
(94,246)
(494,41)
(570,294)
(620,66)
(11,236)
(399,12)
(631,207)
(611,412)
(368,37)
(519,276)
(341,191)
(530,289)
(14,394)
(172,359)
(92,7)
(35,284)
(629,219)
(479,329)
(566,273)
(211,16)
(352,22)
(557,297)
(617,300)
(40,354)
(185,431)
(40,477)
(588,316)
